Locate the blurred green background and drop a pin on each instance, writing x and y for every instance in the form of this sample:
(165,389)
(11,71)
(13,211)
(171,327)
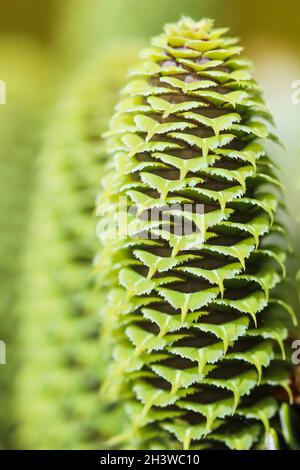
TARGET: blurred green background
(44,45)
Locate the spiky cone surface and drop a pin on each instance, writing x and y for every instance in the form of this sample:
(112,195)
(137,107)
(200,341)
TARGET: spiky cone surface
(28,73)
(198,330)
(58,386)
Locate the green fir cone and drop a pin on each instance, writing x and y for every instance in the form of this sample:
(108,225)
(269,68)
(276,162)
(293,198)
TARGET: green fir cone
(59,382)
(199,328)
(28,73)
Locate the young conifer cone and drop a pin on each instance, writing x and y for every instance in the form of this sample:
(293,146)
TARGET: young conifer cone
(21,120)
(199,332)
(57,396)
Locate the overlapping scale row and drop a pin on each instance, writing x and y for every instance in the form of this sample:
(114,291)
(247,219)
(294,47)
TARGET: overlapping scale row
(198,331)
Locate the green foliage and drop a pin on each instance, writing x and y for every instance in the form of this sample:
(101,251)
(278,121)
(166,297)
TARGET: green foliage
(58,404)
(27,71)
(197,320)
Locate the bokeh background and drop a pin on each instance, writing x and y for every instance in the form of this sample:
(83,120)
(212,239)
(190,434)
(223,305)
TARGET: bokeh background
(43,45)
